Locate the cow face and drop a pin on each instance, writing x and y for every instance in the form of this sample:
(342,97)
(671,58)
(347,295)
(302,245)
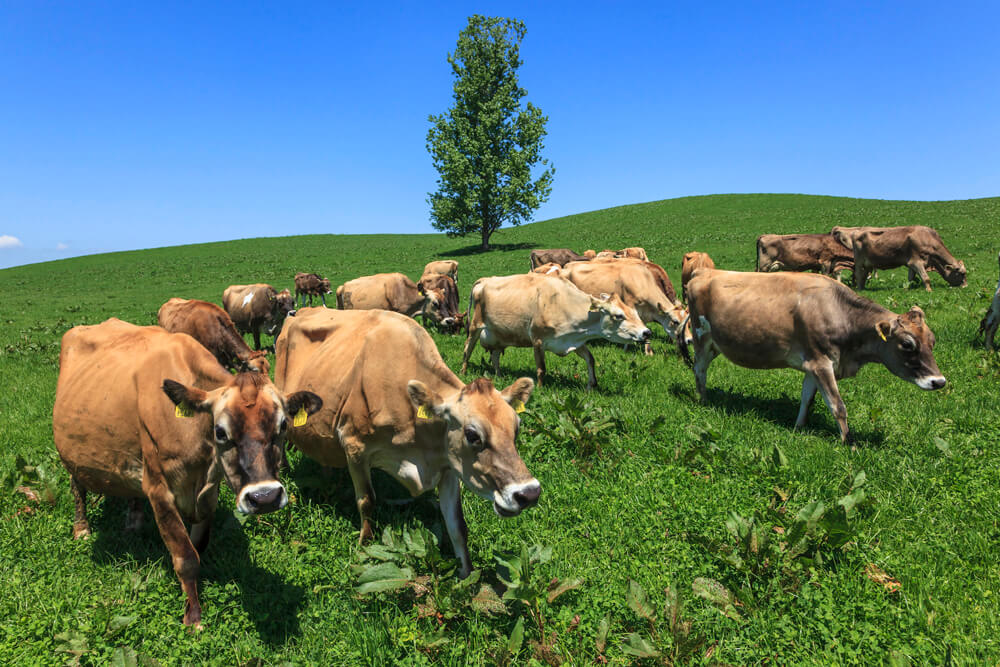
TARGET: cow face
(250,419)
(441,301)
(282,306)
(324,285)
(954,274)
(619,323)
(480,427)
(907,349)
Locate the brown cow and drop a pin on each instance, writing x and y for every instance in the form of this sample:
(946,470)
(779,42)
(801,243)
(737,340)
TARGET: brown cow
(210,325)
(589,254)
(390,402)
(560,256)
(607,254)
(444,267)
(310,284)
(549,269)
(396,292)
(807,322)
(846,235)
(636,284)
(442,294)
(546,314)
(803,252)
(632,253)
(257,306)
(140,412)
(990,323)
(916,247)
(692,261)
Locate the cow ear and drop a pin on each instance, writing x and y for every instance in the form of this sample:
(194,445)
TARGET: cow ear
(884,329)
(518,393)
(915,315)
(426,401)
(187,399)
(420,288)
(303,400)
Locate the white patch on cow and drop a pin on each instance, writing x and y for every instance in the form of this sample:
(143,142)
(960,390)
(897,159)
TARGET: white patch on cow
(243,504)
(554,269)
(505,500)
(408,475)
(930,382)
(248,298)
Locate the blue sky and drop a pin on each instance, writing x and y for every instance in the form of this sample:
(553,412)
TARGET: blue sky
(133,125)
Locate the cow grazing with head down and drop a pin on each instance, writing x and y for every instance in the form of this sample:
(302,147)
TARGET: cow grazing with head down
(547,314)
(916,247)
(390,402)
(560,256)
(807,322)
(989,324)
(141,412)
(803,252)
(396,292)
(441,296)
(210,325)
(693,261)
(310,284)
(549,269)
(443,267)
(258,306)
(632,253)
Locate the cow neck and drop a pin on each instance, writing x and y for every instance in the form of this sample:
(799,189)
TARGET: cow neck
(863,344)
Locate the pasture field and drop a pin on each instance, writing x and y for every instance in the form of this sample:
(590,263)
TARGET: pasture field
(698,533)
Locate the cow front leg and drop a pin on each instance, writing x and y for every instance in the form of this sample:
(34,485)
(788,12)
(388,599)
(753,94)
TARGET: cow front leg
(809,387)
(495,360)
(364,495)
(827,382)
(450,497)
(323,297)
(539,351)
(922,273)
(182,552)
(584,352)
(256,338)
(81,527)
(704,353)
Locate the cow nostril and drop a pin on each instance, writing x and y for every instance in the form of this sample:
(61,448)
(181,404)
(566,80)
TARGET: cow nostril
(937,383)
(264,498)
(527,497)
(647,334)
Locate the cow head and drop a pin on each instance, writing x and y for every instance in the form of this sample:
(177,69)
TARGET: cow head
(255,363)
(324,285)
(619,323)
(906,349)
(480,427)
(250,419)
(589,254)
(441,301)
(282,306)
(954,274)
(673,315)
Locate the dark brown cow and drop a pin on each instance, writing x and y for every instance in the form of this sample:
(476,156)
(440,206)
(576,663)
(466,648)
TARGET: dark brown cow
(258,306)
(916,247)
(807,322)
(210,325)
(310,284)
(990,323)
(396,292)
(803,252)
(692,261)
(441,289)
(560,256)
(140,412)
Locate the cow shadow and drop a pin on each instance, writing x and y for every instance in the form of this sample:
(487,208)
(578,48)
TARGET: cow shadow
(272,603)
(477,249)
(782,411)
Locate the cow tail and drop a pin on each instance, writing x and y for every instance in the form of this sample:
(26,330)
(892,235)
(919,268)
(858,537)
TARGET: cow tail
(475,310)
(682,340)
(760,255)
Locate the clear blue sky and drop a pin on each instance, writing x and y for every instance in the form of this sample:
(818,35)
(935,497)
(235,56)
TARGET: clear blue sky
(140,124)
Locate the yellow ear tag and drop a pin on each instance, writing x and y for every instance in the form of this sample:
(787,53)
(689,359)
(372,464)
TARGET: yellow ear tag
(183,410)
(300,417)
(882,335)
(424,413)
(518,406)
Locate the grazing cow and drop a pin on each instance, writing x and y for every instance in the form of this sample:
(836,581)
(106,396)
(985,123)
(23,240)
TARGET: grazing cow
(632,253)
(442,295)
(310,284)
(396,292)
(803,252)
(807,322)
(444,267)
(589,254)
(390,402)
(210,325)
(636,284)
(692,261)
(141,412)
(846,235)
(607,254)
(992,320)
(916,247)
(549,269)
(560,256)
(540,312)
(258,306)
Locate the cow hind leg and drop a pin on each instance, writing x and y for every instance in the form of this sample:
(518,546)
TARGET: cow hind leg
(470,345)
(584,352)
(133,519)
(256,339)
(81,527)
(809,387)
(704,353)
(495,360)
(364,495)
(450,497)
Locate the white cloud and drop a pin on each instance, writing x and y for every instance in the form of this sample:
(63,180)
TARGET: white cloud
(7,241)
(62,246)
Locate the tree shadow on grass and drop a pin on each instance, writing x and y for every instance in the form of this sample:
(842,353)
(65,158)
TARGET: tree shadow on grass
(779,411)
(271,603)
(477,249)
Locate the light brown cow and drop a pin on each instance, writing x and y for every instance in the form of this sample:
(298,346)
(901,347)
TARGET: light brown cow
(210,325)
(546,314)
(310,284)
(589,254)
(990,323)
(258,306)
(140,412)
(692,261)
(803,252)
(549,269)
(396,292)
(607,254)
(390,402)
(916,247)
(808,322)
(633,253)
(560,256)
(444,267)
(635,284)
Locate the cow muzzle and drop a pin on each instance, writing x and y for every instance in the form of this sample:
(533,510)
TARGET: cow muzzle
(931,382)
(515,498)
(261,498)
(646,334)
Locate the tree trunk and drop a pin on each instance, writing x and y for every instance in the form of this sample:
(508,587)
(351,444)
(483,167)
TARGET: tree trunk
(486,238)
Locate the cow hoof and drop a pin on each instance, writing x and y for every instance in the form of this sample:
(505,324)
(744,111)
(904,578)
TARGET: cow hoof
(81,532)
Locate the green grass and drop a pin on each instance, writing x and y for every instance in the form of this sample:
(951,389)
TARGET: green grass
(635,503)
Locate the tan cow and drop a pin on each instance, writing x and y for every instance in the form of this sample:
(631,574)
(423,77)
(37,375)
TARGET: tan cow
(390,402)
(635,284)
(990,323)
(141,412)
(258,306)
(444,267)
(560,256)
(546,314)
(311,284)
(916,247)
(607,254)
(396,292)
(803,252)
(210,325)
(693,261)
(632,253)
(808,322)
(549,269)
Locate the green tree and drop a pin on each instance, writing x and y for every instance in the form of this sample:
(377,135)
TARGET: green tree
(485,146)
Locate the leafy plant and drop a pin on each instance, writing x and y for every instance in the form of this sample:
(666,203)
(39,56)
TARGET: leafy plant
(580,422)
(683,643)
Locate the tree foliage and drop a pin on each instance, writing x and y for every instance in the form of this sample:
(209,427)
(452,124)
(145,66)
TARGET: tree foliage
(485,146)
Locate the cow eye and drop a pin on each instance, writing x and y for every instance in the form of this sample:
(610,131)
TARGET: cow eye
(220,434)
(907,345)
(282,425)
(472,437)
(618,317)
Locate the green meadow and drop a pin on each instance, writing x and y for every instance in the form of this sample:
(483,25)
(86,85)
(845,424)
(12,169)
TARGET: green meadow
(667,531)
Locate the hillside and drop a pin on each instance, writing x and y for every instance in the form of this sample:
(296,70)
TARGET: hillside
(647,499)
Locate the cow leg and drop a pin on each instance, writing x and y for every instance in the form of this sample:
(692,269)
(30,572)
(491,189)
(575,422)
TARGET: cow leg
(860,274)
(470,345)
(809,387)
(364,495)
(827,382)
(133,520)
(648,349)
(81,527)
(495,360)
(704,353)
(450,497)
(539,361)
(922,272)
(200,532)
(184,555)
(584,352)
(256,338)
(323,297)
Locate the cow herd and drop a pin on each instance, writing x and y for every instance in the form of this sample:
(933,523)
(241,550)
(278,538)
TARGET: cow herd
(153,412)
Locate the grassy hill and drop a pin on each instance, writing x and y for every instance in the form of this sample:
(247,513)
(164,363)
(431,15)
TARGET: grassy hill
(646,499)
